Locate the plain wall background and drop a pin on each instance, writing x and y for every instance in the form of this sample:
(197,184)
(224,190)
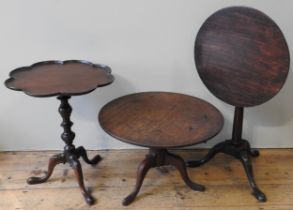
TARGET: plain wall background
(149,46)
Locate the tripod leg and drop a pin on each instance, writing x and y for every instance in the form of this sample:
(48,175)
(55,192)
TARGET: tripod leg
(54,160)
(143,168)
(254,152)
(212,152)
(81,152)
(178,162)
(246,161)
(76,166)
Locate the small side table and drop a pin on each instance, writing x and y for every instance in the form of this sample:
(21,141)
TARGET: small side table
(62,79)
(160,121)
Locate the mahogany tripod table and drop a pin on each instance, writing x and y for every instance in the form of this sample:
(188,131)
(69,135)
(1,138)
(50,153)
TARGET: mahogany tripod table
(160,121)
(62,79)
(242,57)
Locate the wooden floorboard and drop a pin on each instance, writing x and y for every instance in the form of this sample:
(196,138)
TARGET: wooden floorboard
(114,177)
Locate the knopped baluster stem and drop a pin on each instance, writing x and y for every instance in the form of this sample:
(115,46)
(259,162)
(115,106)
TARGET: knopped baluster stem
(70,154)
(68,135)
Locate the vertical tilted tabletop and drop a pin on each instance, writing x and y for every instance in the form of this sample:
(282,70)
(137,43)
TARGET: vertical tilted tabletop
(242,57)
(62,79)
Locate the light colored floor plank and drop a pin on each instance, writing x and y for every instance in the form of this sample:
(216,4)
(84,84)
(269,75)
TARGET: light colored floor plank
(114,177)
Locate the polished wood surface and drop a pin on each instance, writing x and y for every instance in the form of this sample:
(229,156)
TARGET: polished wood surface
(160,119)
(70,154)
(241,56)
(62,79)
(163,189)
(50,78)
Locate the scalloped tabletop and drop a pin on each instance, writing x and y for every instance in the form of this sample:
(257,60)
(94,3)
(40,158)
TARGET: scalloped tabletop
(52,78)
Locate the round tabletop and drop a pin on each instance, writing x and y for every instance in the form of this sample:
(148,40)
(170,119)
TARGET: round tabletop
(241,56)
(51,78)
(160,119)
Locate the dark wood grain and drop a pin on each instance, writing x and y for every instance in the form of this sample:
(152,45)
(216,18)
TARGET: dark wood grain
(50,78)
(241,56)
(62,79)
(160,119)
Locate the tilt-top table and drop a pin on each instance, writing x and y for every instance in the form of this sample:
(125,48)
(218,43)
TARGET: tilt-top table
(62,79)
(242,57)
(160,121)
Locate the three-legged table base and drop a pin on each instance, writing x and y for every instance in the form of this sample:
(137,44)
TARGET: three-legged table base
(157,158)
(71,157)
(242,152)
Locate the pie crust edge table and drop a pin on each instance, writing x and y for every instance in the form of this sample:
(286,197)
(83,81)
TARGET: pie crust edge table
(62,79)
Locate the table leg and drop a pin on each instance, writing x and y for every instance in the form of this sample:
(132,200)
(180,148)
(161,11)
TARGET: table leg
(157,158)
(81,152)
(142,170)
(76,166)
(70,154)
(54,160)
(178,162)
(242,152)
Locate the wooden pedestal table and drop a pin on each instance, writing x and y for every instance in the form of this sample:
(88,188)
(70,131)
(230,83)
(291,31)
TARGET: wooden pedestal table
(160,121)
(62,79)
(242,57)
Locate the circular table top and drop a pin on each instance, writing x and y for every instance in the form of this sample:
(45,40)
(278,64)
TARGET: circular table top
(241,56)
(51,78)
(160,119)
